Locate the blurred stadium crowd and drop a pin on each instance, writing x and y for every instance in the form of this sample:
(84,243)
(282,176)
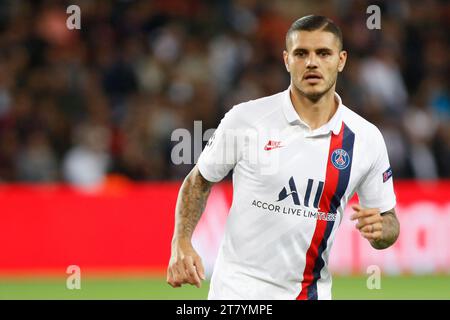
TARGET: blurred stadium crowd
(78,105)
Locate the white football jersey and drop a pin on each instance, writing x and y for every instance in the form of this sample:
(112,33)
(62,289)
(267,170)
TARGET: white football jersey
(290,187)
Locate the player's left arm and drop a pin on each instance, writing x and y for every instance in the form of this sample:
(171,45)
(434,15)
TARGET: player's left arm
(381,229)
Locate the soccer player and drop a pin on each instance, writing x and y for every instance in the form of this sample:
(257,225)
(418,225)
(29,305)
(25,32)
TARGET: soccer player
(291,181)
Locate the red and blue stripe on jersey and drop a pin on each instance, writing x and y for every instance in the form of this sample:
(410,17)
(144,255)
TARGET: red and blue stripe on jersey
(336,182)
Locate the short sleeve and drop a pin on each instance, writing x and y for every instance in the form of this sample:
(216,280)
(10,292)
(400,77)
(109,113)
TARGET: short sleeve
(376,190)
(223,149)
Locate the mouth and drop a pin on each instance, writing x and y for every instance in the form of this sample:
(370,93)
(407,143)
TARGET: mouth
(312,77)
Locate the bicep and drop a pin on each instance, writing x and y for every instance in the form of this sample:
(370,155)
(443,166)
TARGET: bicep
(198,180)
(376,189)
(223,150)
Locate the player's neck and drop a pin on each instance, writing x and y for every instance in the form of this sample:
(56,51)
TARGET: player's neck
(314,113)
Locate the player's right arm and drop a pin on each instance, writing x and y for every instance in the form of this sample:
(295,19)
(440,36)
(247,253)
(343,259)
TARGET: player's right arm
(185,264)
(219,156)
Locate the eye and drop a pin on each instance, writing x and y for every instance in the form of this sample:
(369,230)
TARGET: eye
(324,54)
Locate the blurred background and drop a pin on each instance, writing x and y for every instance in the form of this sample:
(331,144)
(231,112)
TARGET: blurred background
(86,117)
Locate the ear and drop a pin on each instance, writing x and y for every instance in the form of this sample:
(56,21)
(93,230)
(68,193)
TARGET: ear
(286,60)
(342,60)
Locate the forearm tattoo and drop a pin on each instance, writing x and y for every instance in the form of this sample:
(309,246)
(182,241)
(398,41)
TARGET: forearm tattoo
(191,202)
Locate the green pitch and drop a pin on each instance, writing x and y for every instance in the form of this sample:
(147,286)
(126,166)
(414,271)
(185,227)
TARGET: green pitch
(404,287)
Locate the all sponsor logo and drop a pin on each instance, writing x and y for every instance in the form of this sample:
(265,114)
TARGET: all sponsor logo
(308,201)
(305,205)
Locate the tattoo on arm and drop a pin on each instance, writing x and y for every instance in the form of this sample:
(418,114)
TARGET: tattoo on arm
(191,202)
(391,230)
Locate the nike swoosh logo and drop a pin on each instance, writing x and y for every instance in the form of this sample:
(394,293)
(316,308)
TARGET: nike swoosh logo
(267,147)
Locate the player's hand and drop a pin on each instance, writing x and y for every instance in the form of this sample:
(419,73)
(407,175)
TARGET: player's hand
(370,222)
(185,266)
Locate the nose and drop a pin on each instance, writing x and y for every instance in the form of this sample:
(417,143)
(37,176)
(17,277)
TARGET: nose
(311,61)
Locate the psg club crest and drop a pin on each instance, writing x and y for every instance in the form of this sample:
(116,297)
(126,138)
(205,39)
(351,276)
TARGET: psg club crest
(340,159)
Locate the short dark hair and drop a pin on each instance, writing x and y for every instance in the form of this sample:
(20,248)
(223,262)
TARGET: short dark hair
(312,23)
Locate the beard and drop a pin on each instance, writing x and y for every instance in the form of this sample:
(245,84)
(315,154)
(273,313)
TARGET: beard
(316,95)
